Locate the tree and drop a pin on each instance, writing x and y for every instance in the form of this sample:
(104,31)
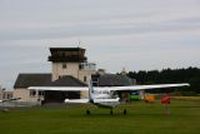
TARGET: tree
(190,75)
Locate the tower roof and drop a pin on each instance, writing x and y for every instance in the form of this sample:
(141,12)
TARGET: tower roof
(67,54)
(53,49)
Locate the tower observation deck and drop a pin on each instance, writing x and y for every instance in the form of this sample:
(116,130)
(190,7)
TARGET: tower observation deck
(75,54)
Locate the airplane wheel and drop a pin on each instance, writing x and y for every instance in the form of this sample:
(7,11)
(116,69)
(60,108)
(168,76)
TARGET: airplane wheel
(125,111)
(111,112)
(88,112)
(5,110)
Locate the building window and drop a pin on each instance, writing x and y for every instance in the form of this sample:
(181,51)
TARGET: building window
(60,76)
(64,66)
(63,54)
(4,96)
(80,66)
(8,96)
(41,93)
(85,79)
(32,92)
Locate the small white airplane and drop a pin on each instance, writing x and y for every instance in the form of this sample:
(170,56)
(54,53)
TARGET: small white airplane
(9,100)
(104,96)
(8,103)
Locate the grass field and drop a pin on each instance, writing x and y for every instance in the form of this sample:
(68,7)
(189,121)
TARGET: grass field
(142,118)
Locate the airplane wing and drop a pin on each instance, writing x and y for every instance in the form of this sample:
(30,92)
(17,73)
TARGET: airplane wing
(113,88)
(46,88)
(140,87)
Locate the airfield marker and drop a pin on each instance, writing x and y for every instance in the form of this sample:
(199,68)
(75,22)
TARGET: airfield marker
(165,100)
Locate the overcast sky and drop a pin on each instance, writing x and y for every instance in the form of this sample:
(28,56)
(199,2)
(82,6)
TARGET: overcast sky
(135,34)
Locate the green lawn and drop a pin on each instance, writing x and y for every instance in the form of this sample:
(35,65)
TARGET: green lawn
(141,118)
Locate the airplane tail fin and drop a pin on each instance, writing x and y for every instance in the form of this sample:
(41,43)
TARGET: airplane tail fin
(91,90)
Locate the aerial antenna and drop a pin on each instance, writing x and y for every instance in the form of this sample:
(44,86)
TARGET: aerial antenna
(79,42)
(123,72)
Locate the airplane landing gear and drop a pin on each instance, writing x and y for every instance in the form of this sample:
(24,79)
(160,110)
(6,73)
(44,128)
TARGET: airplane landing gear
(88,112)
(111,112)
(125,112)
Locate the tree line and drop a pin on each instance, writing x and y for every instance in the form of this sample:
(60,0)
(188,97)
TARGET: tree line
(189,75)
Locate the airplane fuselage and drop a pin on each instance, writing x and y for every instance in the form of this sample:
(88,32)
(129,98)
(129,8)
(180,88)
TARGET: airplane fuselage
(107,103)
(104,99)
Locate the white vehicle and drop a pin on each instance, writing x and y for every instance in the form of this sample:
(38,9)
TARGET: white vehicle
(104,96)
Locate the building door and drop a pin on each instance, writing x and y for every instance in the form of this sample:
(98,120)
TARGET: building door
(59,96)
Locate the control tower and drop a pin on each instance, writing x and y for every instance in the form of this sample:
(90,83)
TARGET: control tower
(71,61)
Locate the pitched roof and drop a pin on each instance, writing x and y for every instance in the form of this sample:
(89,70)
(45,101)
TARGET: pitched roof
(114,80)
(67,81)
(26,80)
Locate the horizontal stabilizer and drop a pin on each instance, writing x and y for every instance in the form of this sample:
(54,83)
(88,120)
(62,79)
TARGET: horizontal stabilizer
(76,100)
(106,100)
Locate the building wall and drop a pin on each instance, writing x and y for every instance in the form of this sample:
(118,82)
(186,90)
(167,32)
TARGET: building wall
(71,69)
(85,75)
(1,94)
(25,95)
(58,70)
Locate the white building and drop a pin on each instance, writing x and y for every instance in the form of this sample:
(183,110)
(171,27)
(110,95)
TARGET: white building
(69,68)
(4,94)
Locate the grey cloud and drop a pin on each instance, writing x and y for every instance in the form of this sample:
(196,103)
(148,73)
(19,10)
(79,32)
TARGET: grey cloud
(92,30)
